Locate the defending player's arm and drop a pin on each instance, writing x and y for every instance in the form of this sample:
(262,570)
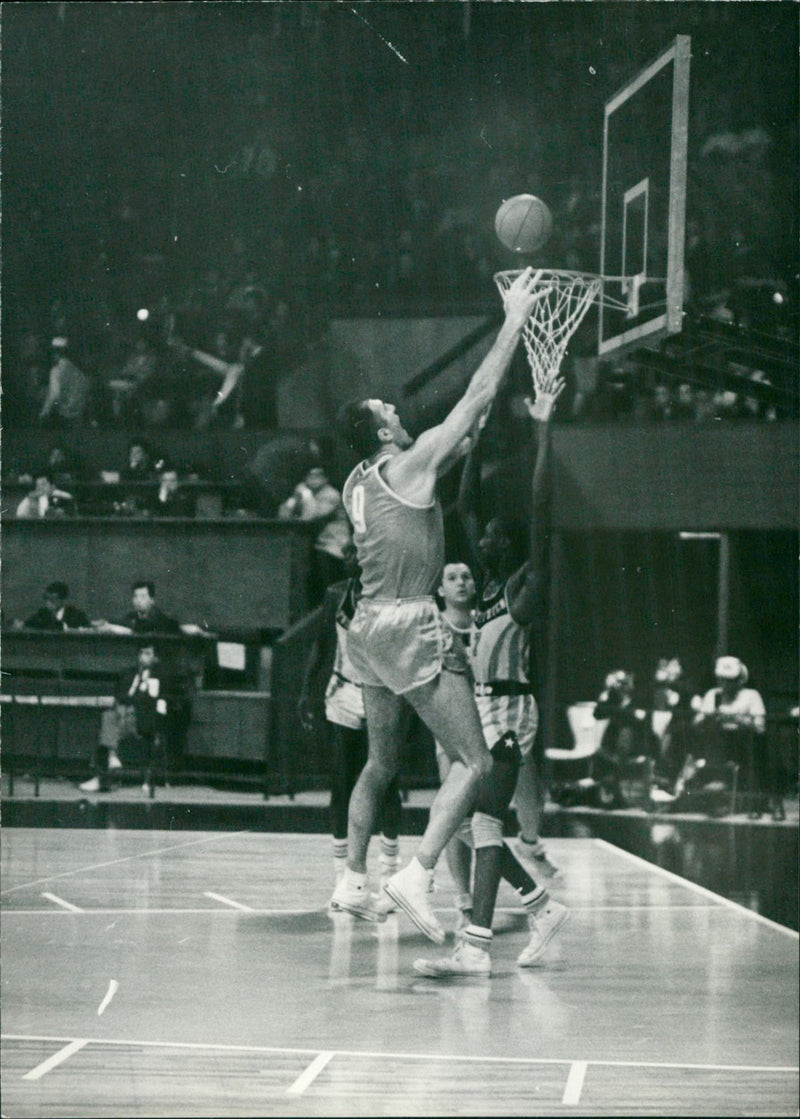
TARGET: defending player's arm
(319,654)
(525,590)
(469,501)
(414,472)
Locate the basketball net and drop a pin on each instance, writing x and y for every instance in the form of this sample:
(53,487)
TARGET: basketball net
(554,318)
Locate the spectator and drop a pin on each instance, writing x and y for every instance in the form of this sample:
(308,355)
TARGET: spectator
(171,500)
(44,500)
(139,462)
(57,613)
(626,738)
(274,470)
(135,381)
(68,388)
(64,466)
(316,500)
(144,696)
(144,617)
(672,717)
(730,726)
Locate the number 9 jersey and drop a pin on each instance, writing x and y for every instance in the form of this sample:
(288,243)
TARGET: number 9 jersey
(400,545)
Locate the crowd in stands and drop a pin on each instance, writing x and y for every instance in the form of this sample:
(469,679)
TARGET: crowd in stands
(285,478)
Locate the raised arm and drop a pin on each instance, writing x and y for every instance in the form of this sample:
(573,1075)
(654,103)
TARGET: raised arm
(526,587)
(469,501)
(413,473)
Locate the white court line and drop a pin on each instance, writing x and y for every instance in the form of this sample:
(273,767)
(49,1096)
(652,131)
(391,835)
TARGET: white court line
(206,910)
(113,987)
(273,1049)
(310,1074)
(125,859)
(668,874)
(64,904)
(57,1059)
(574,1085)
(227,901)
(209,911)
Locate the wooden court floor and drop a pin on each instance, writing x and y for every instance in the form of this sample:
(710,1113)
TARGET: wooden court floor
(176,974)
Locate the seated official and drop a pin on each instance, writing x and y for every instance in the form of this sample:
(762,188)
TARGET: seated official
(148,700)
(145,616)
(57,613)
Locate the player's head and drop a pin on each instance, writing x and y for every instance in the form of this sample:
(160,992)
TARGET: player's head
(503,546)
(457,587)
(368,425)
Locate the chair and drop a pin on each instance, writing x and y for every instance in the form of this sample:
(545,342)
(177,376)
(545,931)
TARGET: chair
(570,768)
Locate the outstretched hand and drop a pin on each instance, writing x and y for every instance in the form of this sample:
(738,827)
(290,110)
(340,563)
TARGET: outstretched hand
(542,406)
(520,298)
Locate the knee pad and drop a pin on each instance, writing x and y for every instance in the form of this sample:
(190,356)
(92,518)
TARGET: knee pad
(506,750)
(487,831)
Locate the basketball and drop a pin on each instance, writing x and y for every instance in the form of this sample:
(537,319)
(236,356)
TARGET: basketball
(523,223)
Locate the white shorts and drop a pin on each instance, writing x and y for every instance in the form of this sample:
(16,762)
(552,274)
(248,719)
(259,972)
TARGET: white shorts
(344,703)
(401,644)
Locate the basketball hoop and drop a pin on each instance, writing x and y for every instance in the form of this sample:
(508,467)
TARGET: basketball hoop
(555,316)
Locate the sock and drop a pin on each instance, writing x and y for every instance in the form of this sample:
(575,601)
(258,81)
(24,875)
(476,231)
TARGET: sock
(355,878)
(427,862)
(478,937)
(536,847)
(535,900)
(388,858)
(339,857)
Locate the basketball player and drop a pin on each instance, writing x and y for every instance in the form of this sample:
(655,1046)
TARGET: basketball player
(457,595)
(509,602)
(397,642)
(345,719)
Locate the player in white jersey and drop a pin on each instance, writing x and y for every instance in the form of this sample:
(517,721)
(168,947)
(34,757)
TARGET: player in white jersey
(510,601)
(397,641)
(345,719)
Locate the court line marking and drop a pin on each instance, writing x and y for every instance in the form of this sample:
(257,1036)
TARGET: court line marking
(56,1059)
(125,859)
(227,901)
(213,910)
(113,987)
(574,1085)
(280,1049)
(672,877)
(310,1074)
(66,905)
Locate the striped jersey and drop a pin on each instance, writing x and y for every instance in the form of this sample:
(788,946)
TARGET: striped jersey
(400,545)
(500,649)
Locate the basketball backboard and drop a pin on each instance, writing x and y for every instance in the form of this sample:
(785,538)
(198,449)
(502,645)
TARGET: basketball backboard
(644,202)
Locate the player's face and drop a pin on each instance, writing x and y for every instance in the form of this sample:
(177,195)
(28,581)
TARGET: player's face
(387,417)
(458,586)
(493,545)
